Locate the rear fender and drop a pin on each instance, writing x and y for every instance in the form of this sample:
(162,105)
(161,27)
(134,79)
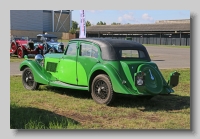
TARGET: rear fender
(119,84)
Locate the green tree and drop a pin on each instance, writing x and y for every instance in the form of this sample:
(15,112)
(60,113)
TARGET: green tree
(98,23)
(88,23)
(72,31)
(74,25)
(101,23)
(114,23)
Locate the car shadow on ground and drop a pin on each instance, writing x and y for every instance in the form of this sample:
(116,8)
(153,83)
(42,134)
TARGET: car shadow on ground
(71,92)
(160,102)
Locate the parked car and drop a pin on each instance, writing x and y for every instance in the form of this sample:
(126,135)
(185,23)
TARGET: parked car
(15,42)
(50,43)
(101,66)
(24,46)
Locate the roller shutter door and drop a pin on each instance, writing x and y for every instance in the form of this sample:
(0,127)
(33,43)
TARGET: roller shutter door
(26,20)
(47,21)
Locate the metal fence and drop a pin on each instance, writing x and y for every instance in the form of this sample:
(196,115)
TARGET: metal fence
(157,39)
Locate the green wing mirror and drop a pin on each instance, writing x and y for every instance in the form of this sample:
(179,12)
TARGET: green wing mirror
(173,79)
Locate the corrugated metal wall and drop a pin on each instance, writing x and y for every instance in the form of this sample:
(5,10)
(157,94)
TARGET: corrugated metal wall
(47,21)
(40,20)
(26,20)
(174,39)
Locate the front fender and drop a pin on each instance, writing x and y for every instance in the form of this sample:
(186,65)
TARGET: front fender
(39,73)
(117,81)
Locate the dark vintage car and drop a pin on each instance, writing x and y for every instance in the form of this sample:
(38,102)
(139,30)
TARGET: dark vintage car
(104,67)
(21,46)
(50,43)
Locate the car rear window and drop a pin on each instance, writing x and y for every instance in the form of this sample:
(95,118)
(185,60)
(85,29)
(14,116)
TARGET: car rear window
(130,54)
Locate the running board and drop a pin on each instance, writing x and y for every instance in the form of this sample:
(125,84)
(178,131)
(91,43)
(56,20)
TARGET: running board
(64,85)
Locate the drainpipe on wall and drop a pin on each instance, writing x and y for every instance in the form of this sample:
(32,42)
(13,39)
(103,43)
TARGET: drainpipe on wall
(52,20)
(70,26)
(160,38)
(180,38)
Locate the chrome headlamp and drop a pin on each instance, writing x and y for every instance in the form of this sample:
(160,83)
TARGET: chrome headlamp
(39,58)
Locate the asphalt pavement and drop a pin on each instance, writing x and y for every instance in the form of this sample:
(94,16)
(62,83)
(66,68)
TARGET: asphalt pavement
(165,58)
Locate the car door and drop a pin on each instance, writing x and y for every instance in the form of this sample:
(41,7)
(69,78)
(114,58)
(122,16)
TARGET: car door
(67,65)
(87,58)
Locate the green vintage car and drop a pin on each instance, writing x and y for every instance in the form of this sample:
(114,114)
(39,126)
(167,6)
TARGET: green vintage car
(101,66)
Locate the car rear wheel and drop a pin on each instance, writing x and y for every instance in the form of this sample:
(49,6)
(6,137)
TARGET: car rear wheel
(28,80)
(20,52)
(102,91)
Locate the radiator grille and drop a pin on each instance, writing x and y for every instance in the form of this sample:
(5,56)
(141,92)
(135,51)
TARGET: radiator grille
(51,66)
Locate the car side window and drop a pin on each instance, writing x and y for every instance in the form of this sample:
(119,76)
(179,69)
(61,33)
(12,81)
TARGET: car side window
(89,50)
(141,54)
(71,50)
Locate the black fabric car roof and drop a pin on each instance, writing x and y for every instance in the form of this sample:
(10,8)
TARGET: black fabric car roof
(109,46)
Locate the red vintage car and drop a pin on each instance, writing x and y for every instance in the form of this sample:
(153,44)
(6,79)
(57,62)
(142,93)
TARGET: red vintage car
(24,46)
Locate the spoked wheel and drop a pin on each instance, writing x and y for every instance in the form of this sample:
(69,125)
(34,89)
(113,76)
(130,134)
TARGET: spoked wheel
(20,52)
(13,47)
(28,80)
(102,91)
